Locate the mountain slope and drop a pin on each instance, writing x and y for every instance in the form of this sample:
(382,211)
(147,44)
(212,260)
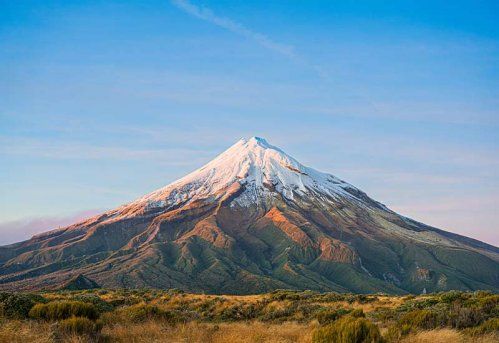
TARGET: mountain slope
(252,220)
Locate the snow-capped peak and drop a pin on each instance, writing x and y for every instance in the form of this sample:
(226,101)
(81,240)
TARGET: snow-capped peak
(261,168)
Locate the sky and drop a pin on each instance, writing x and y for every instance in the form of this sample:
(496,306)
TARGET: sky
(104,101)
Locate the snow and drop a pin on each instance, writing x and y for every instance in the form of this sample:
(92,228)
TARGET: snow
(263,169)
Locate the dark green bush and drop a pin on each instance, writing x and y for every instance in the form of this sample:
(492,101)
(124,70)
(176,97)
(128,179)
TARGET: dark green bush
(290,295)
(452,296)
(329,297)
(101,305)
(58,310)
(422,319)
(80,325)
(17,305)
(330,315)
(348,330)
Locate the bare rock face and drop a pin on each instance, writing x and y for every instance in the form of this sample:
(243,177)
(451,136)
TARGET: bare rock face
(253,220)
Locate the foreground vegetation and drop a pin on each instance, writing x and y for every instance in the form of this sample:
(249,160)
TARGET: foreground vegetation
(282,316)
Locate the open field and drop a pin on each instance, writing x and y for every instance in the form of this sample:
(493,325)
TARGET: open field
(281,316)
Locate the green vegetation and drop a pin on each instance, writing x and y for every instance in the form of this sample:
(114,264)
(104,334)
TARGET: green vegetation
(57,310)
(348,329)
(17,306)
(106,315)
(142,312)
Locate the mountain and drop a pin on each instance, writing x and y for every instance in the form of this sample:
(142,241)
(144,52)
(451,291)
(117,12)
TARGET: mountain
(78,283)
(253,220)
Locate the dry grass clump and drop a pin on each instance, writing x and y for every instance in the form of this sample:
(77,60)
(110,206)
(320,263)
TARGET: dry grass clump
(447,336)
(57,310)
(80,326)
(248,332)
(17,331)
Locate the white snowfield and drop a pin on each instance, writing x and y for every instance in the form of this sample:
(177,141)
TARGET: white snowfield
(263,169)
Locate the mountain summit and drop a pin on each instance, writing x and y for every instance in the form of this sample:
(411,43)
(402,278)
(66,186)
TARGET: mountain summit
(252,220)
(264,171)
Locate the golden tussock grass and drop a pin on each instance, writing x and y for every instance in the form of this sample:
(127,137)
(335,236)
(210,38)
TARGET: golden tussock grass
(447,336)
(23,332)
(211,333)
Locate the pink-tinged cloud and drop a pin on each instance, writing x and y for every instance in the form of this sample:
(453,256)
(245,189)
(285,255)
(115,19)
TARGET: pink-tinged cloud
(20,230)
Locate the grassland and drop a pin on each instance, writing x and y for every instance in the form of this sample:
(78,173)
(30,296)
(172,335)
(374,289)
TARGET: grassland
(281,316)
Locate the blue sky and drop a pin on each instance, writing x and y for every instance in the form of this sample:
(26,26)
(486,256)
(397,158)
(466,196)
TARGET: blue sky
(103,101)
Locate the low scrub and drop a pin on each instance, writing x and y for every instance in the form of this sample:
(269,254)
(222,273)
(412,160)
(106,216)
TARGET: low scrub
(464,317)
(17,305)
(422,319)
(143,312)
(490,326)
(58,310)
(101,305)
(330,315)
(333,317)
(348,330)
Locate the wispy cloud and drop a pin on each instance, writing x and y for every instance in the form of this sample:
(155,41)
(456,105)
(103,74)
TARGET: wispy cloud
(208,15)
(472,216)
(18,230)
(235,27)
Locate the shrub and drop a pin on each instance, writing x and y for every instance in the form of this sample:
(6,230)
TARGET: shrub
(281,295)
(240,312)
(383,314)
(17,306)
(489,304)
(452,296)
(462,317)
(57,310)
(423,319)
(489,326)
(142,312)
(330,315)
(306,311)
(330,297)
(418,304)
(278,314)
(426,319)
(101,305)
(80,325)
(348,330)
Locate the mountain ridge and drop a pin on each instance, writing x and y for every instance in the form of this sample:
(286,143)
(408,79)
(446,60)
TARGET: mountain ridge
(252,220)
